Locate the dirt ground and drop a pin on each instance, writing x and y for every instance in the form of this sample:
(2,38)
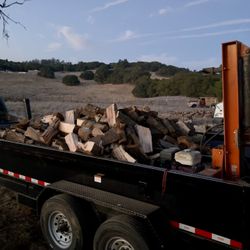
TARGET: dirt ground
(19,226)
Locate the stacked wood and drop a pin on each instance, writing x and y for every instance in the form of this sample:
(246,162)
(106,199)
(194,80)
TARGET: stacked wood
(130,134)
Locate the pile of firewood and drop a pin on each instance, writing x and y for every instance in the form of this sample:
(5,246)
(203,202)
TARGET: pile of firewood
(129,134)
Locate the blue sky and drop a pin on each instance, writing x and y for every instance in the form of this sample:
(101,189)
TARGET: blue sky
(186,33)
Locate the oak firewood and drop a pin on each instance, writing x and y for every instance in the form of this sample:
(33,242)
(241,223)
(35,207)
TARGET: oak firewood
(14,136)
(96,131)
(50,132)
(90,147)
(152,122)
(145,138)
(187,142)
(111,113)
(33,134)
(120,154)
(184,129)
(126,119)
(66,128)
(110,136)
(72,142)
(84,133)
(70,117)
(169,126)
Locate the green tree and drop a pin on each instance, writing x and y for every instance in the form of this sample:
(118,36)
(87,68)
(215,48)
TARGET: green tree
(87,75)
(46,72)
(102,73)
(71,80)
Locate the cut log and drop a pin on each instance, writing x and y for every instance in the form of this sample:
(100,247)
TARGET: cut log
(96,132)
(22,124)
(72,142)
(145,138)
(110,136)
(14,136)
(84,133)
(80,122)
(126,119)
(170,139)
(111,113)
(66,128)
(70,117)
(91,147)
(33,134)
(98,117)
(50,132)
(184,129)
(102,127)
(169,126)
(2,134)
(120,154)
(153,123)
(48,119)
(60,144)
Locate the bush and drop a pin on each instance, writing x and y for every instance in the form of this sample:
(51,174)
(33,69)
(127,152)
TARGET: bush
(87,75)
(71,80)
(46,72)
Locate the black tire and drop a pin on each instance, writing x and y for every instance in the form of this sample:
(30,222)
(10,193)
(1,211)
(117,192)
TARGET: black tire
(121,232)
(64,225)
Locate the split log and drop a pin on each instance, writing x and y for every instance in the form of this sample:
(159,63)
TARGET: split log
(48,119)
(70,117)
(50,132)
(72,142)
(120,154)
(184,129)
(90,147)
(96,131)
(80,122)
(169,126)
(111,113)
(60,144)
(14,136)
(33,134)
(170,139)
(110,136)
(84,133)
(2,134)
(152,122)
(102,127)
(145,138)
(126,119)
(66,128)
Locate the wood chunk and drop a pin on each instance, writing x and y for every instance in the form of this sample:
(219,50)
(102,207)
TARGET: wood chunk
(19,130)
(110,136)
(102,127)
(96,132)
(98,117)
(104,119)
(50,132)
(170,139)
(72,142)
(152,122)
(22,124)
(169,126)
(91,147)
(80,121)
(145,138)
(48,119)
(66,128)
(37,124)
(33,134)
(70,117)
(184,129)
(120,154)
(187,142)
(14,136)
(111,113)
(97,140)
(126,119)
(131,133)
(2,134)
(60,144)
(91,110)
(84,133)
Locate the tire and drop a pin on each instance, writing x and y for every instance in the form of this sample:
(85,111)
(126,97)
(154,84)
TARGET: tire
(121,232)
(64,225)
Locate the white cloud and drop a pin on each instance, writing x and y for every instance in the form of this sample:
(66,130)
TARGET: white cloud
(219,24)
(108,5)
(90,19)
(127,35)
(164,11)
(76,41)
(197,2)
(54,46)
(164,58)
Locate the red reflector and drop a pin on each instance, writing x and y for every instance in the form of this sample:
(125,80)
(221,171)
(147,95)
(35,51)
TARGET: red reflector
(236,244)
(5,171)
(203,233)
(28,179)
(174,224)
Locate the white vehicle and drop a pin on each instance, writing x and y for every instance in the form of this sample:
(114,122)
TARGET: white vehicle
(218,112)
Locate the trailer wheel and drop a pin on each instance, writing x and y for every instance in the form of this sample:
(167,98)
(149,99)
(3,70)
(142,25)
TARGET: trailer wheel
(121,232)
(64,225)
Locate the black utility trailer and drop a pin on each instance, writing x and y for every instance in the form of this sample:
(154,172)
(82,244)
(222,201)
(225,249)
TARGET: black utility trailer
(87,202)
